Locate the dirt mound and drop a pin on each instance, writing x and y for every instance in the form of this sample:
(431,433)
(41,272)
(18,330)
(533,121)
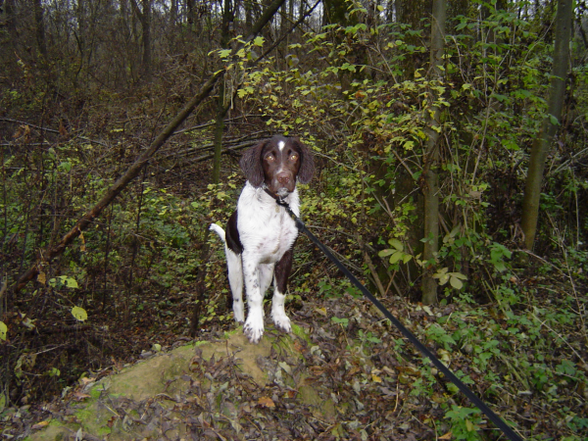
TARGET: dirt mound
(213,389)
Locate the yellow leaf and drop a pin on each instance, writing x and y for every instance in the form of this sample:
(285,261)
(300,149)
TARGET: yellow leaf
(3,330)
(42,278)
(376,379)
(79,314)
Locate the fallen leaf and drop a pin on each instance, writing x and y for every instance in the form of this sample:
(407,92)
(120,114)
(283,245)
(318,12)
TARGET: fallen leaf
(86,380)
(321,311)
(266,402)
(80,396)
(41,424)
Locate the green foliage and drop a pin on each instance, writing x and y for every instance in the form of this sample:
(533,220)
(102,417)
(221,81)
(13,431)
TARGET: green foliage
(396,253)
(358,93)
(343,322)
(464,422)
(63,282)
(454,278)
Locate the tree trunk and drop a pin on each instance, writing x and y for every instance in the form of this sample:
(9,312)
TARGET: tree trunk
(40,29)
(411,12)
(431,179)
(336,12)
(550,124)
(144,15)
(221,109)
(146,40)
(10,20)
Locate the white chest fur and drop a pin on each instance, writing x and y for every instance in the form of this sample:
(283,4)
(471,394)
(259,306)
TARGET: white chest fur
(265,229)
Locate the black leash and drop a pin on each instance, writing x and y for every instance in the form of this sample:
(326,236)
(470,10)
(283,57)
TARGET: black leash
(499,422)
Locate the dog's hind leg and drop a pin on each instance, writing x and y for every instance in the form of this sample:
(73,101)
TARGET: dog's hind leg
(235,268)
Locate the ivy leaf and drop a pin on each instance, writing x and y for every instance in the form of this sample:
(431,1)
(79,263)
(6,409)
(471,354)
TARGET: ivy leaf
(258,41)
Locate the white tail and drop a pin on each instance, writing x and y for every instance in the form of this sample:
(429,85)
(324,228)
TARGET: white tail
(218,230)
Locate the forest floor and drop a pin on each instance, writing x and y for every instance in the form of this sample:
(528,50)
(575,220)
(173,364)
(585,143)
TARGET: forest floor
(349,378)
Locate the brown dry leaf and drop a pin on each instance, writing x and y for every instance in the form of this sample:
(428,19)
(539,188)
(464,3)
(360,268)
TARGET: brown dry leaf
(409,370)
(42,278)
(446,436)
(83,245)
(41,424)
(86,380)
(80,396)
(62,130)
(266,402)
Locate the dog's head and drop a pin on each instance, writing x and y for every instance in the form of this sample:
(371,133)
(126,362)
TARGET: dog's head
(278,163)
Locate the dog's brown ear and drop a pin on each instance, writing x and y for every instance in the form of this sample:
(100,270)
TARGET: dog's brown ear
(252,166)
(306,170)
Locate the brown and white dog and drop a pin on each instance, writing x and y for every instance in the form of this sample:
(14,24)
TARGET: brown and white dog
(260,234)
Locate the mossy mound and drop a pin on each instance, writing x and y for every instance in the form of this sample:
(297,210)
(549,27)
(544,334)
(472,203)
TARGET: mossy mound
(199,390)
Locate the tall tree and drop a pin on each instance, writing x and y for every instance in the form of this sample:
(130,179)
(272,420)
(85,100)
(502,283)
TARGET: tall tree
(412,12)
(540,149)
(431,162)
(40,29)
(221,108)
(336,11)
(144,14)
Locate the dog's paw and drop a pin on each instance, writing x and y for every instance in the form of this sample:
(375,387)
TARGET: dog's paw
(253,330)
(282,322)
(238,312)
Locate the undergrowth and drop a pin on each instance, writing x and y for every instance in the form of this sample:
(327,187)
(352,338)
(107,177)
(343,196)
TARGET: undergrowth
(509,323)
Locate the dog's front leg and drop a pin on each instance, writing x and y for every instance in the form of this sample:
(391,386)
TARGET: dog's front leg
(253,328)
(281,274)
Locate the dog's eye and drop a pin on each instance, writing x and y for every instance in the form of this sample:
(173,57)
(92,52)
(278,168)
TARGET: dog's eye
(294,157)
(270,158)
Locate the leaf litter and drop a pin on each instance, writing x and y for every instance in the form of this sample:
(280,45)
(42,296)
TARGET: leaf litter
(328,380)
